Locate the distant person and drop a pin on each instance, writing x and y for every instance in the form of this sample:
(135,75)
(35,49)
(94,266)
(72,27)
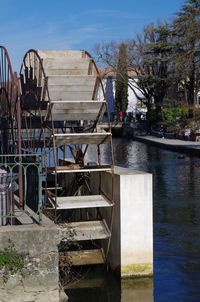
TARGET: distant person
(162,130)
(187,133)
(121,114)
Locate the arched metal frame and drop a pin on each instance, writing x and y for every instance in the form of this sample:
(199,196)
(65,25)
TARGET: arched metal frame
(10,119)
(8,104)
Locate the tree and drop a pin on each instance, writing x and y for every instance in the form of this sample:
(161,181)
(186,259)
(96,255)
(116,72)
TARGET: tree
(148,56)
(156,74)
(121,84)
(186,29)
(151,54)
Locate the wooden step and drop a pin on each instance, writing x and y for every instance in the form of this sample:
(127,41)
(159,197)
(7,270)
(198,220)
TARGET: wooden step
(63,72)
(65,63)
(83,257)
(85,230)
(81,202)
(71,80)
(22,216)
(81,138)
(54,54)
(71,95)
(75,104)
(54,188)
(72,88)
(65,66)
(89,86)
(77,169)
(76,110)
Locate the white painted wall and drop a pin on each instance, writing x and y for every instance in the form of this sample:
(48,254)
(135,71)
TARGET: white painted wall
(132,99)
(131,248)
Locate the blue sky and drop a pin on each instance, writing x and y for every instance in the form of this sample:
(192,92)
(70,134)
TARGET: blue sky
(78,24)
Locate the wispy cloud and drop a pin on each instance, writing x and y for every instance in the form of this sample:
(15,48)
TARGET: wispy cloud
(65,30)
(48,37)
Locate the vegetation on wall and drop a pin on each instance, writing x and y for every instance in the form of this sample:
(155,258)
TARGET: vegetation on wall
(10,261)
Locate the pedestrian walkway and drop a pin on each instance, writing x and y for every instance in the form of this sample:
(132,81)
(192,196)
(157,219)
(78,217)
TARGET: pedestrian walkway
(172,144)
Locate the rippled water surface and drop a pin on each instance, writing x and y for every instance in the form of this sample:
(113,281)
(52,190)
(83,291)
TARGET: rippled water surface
(176,228)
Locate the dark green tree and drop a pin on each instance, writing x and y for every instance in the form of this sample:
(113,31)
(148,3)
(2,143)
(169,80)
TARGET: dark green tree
(186,29)
(157,65)
(121,84)
(152,64)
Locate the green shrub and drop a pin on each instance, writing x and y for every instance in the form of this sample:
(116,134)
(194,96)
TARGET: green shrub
(196,113)
(10,260)
(172,114)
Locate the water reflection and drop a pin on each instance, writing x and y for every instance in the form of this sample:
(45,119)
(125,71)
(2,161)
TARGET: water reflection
(176,218)
(176,227)
(140,290)
(99,286)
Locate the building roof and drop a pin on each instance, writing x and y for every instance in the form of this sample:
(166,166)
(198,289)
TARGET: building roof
(111,72)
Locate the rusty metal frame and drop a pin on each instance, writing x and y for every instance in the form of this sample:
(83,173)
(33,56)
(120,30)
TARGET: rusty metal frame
(48,117)
(9,82)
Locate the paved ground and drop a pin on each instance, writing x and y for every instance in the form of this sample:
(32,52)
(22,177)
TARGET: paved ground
(172,144)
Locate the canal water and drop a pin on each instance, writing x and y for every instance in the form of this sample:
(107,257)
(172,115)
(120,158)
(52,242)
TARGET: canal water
(176,182)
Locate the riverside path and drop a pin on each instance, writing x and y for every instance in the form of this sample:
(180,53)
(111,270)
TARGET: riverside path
(172,144)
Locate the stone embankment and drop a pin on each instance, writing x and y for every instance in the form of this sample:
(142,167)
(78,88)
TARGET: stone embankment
(38,280)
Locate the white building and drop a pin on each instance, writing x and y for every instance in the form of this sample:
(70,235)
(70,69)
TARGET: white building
(134,104)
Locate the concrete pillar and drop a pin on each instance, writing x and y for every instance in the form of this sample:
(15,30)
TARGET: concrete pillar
(131,248)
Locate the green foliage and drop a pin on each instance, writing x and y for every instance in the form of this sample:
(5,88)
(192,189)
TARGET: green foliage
(187,57)
(172,114)
(10,260)
(165,59)
(67,244)
(154,75)
(121,88)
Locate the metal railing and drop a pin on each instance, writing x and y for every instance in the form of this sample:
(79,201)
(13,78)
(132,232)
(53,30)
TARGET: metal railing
(15,207)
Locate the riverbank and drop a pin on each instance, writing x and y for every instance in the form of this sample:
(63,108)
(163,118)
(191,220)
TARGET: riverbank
(190,147)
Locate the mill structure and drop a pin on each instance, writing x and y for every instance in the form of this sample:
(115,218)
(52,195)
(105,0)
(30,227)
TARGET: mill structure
(61,113)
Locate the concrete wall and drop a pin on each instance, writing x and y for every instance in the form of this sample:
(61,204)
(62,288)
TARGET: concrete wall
(39,278)
(131,248)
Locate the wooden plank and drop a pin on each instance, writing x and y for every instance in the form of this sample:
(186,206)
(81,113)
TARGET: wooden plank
(82,138)
(85,230)
(62,168)
(71,88)
(74,116)
(82,202)
(62,72)
(54,54)
(84,170)
(83,257)
(71,80)
(75,110)
(65,63)
(76,102)
(23,217)
(70,96)
(60,105)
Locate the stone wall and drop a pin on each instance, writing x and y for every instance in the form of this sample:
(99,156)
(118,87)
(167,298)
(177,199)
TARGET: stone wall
(39,279)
